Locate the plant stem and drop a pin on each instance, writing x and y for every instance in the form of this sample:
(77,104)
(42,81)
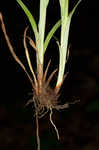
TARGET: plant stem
(40,42)
(39,75)
(41,26)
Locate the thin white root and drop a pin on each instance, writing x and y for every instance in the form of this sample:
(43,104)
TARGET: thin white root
(51,112)
(43,114)
(29,102)
(58,107)
(66,105)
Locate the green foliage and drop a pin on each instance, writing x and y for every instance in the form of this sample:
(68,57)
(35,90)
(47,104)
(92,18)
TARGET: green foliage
(39,34)
(65,26)
(41,28)
(50,34)
(30,17)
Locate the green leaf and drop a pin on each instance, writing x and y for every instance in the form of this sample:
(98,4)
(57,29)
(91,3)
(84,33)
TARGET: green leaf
(30,17)
(50,34)
(64,7)
(65,27)
(72,12)
(41,28)
(63,52)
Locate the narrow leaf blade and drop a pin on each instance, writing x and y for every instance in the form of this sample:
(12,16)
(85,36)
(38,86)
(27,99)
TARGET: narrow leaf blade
(50,34)
(72,12)
(30,17)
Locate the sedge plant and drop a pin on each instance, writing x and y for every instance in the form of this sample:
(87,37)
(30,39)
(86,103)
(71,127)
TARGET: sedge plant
(45,98)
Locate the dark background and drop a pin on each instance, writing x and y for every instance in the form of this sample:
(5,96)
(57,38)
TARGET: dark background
(79,125)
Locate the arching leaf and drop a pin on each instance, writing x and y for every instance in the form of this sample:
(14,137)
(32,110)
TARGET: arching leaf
(50,34)
(73,10)
(30,17)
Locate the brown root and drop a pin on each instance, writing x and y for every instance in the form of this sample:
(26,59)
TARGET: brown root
(46,71)
(51,112)
(28,59)
(32,43)
(12,50)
